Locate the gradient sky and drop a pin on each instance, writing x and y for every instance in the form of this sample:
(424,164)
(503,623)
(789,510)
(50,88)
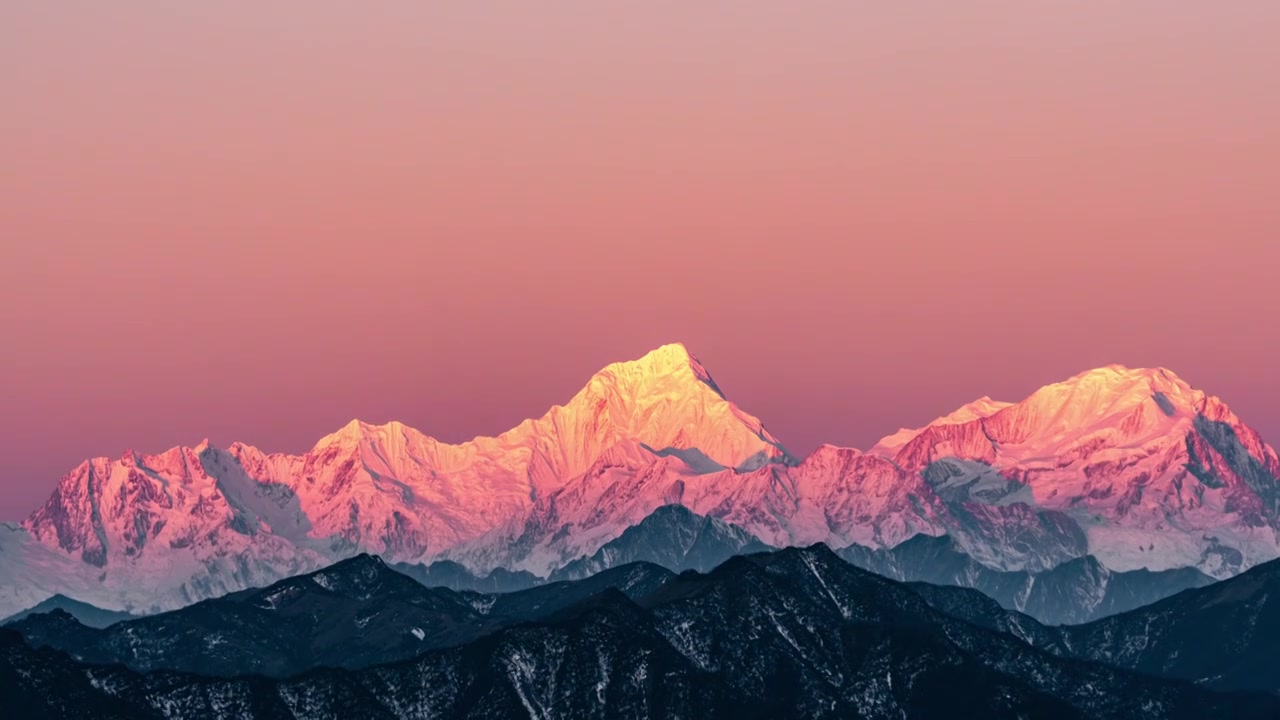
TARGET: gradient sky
(256,220)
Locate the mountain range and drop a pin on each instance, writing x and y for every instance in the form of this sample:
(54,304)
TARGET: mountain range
(678,539)
(1075,591)
(1131,467)
(354,614)
(785,634)
(1221,636)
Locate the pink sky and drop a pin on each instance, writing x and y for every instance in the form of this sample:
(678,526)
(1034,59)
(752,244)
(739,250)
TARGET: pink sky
(250,221)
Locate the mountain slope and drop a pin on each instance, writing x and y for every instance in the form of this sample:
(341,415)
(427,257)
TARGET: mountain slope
(1073,592)
(671,536)
(150,532)
(84,613)
(452,575)
(633,580)
(1223,636)
(353,614)
(835,496)
(598,664)
(796,633)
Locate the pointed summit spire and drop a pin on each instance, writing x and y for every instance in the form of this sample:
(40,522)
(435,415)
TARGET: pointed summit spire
(669,357)
(660,399)
(673,359)
(348,434)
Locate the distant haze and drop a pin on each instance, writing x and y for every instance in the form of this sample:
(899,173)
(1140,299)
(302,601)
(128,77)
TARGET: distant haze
(257,220)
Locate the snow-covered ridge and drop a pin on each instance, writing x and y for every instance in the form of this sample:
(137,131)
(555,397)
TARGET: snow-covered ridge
(1133,466)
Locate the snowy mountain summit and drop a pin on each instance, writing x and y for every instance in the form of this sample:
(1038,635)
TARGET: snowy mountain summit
(1134,467)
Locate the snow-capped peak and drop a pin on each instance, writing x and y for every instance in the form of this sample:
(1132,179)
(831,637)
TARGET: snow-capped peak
(1109,395)
(673,359)
(669,368)
(1116,387)
(664,400)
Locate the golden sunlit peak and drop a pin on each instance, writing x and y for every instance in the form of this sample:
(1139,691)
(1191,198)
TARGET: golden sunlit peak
(668,359)
(671,351)
(1115,373)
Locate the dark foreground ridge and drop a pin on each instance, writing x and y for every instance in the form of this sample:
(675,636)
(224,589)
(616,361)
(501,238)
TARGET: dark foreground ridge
(797,633)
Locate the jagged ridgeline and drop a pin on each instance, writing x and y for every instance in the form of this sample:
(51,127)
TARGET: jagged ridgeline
(1126,482)
(795,633)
